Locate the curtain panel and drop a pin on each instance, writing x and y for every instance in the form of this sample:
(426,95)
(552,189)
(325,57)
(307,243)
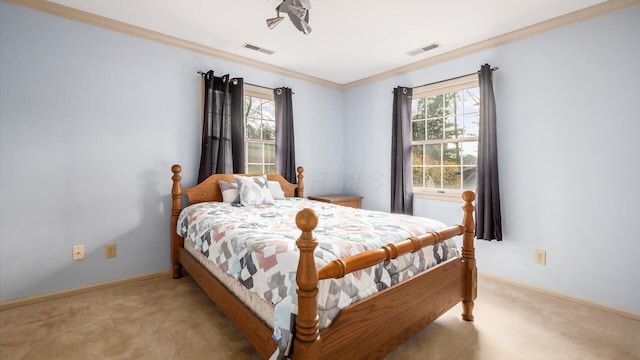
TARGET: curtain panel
(401,175)
(488,215)
(222,148)
(285,140)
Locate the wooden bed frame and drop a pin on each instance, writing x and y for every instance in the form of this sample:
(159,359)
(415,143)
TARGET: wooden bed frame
(357,332)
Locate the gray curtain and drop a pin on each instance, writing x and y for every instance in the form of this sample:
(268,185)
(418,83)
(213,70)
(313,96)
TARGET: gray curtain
(285,141)
(401,175)
(222,126)
(488,216)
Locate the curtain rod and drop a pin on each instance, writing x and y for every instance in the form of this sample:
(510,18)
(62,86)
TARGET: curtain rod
(453,78)
(204,73)
(260,86)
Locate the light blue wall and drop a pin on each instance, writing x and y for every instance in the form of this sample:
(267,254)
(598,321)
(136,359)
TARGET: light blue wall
(568,128)
(91,121)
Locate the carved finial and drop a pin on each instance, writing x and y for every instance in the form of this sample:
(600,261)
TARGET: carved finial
(300,190)
(468,196)
(176,169)
(307,220)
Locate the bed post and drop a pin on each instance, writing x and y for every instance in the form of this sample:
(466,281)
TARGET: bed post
(306,345)
(469,256)
(300,192)
(176,241)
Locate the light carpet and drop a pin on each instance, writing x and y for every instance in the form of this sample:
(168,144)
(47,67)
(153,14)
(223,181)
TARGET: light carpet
(162,318)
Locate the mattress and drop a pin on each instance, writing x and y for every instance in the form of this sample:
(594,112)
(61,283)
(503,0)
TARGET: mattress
(260,307)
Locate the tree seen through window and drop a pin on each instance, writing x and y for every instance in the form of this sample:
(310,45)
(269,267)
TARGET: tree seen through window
(445,140)
(260,134)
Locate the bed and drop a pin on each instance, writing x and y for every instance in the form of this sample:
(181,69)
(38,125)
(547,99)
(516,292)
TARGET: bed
(401,310)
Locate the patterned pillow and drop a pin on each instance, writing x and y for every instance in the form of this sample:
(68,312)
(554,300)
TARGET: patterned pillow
(254,190)
(230,192)
(276,190)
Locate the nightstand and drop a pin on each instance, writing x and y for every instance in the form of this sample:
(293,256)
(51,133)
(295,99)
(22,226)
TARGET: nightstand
(344,200)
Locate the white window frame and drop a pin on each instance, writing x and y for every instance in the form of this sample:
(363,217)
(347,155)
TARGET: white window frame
(263,93)
(443,87)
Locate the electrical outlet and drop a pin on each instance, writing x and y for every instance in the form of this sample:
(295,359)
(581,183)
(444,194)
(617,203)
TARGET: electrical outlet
(540,257)
(110,250)
(77,252)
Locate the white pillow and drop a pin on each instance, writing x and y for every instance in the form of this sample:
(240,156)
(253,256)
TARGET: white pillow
(229,192)
(254,190)
(276,190)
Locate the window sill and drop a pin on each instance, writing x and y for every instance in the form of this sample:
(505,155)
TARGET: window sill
(446,196)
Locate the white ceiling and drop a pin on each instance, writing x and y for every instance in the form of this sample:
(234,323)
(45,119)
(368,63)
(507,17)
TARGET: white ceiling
(351,40)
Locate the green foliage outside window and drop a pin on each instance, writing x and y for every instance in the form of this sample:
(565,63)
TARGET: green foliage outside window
(260,135)
(444,134)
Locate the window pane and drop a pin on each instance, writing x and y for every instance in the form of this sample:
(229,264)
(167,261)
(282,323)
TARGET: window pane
(417,130)
(469,152)
(471,100)
(449,161)
(432,154)
(255,169)
(432,180)
(260,134)
(253,129)
(434,128)
(451,154)
(460,121)
(471,125)
(452,128)
(417,108)
(434,106)
(451,178)
(450,103)
(254,152)
(268,110)
(418,176)
(268,130)
(253,106)
(270,153)
(459,98)
(417,155)
(269,169)
(469,178)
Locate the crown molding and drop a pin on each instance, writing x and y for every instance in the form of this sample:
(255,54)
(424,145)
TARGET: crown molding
(554,23)
(92,19)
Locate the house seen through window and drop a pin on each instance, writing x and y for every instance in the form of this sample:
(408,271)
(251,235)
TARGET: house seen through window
(260,130)
(445,126)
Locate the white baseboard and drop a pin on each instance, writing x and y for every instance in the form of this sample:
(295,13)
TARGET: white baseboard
(6,305)
(622,312)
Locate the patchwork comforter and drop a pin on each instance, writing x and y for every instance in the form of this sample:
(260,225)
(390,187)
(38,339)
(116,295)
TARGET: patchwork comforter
(256,245)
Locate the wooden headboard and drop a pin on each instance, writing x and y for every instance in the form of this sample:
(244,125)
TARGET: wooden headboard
(209,189)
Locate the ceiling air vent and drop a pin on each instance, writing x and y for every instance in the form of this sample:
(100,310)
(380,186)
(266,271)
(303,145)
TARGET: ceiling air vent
(258,48)
(423,49)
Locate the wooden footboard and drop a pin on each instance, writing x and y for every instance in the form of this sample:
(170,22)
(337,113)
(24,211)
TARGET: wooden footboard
(401,310)
(373,328)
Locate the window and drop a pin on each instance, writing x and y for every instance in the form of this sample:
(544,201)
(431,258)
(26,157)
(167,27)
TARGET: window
(445,126)
(260,130)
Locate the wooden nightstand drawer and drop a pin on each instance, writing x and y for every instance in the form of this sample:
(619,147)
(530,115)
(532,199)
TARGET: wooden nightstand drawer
(344,200)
